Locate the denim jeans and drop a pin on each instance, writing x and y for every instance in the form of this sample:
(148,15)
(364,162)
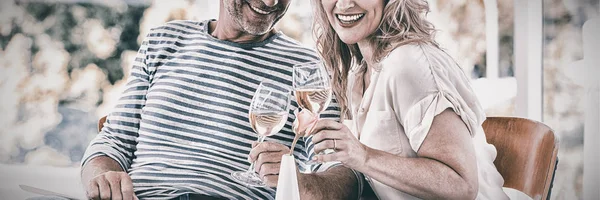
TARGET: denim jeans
(47,198)
(182,197)
(195,197)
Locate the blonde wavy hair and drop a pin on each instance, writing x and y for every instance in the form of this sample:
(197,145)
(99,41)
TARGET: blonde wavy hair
(403,22)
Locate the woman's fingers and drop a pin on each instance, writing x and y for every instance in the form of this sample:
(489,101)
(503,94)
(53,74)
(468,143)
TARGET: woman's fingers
(332,157)
(326,124)
(337,145)
(330,134)
(327,135)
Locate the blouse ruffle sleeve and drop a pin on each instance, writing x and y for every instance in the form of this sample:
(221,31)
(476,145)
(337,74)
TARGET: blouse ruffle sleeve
(423,86)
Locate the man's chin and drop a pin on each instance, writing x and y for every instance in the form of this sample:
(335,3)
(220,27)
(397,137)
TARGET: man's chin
(257,30)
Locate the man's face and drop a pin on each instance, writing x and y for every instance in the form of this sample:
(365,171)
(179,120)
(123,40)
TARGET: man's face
(256,17)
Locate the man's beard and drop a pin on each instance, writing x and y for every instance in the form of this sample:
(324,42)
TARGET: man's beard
(260,28)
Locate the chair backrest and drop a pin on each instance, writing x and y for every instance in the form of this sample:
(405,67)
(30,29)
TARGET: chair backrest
(101,123)
(527,154)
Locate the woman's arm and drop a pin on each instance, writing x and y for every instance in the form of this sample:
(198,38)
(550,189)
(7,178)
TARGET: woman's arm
(445,168)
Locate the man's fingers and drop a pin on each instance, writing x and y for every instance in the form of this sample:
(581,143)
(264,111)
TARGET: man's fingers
(271,180)
(269,169)
(266,147)
(93,192)
(273,146)
(111,185)
(270,157)
(114,182)
(115,189)
(104,188)
(267,158)
(127,187)
(257,148)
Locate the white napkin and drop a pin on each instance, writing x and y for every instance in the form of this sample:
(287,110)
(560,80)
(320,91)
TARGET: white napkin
(514,194)
(287,186)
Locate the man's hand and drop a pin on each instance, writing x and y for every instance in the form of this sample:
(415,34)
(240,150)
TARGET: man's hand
(111,185)
(268,160)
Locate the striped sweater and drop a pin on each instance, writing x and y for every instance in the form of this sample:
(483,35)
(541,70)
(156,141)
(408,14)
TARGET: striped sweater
(181,125)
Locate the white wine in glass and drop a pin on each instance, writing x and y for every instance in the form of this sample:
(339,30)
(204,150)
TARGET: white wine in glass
(267,115)
(314,100)
(267,123)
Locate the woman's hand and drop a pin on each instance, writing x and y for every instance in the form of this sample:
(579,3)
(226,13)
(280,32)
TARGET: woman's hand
(329,134)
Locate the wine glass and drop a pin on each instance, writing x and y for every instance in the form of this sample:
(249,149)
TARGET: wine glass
(312,89)
(267,115)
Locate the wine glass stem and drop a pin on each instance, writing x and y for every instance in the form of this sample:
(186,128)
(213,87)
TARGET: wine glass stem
(294,143)
(259,140)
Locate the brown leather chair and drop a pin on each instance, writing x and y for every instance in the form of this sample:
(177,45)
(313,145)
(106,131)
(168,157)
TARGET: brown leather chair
(101,123)
(527,154)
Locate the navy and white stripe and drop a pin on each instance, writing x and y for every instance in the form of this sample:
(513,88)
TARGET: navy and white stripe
(181,125)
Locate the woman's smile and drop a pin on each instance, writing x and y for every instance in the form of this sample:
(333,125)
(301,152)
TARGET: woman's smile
(349,20)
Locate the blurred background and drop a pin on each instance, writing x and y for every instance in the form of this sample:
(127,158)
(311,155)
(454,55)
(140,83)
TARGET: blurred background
(63,64)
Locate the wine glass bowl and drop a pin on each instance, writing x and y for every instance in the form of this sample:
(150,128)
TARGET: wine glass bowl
(312,87)
(267,115)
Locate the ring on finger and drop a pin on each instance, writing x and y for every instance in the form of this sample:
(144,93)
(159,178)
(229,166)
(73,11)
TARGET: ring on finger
(334,146)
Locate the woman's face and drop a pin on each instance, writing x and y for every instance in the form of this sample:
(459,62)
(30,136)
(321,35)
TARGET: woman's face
(354,20)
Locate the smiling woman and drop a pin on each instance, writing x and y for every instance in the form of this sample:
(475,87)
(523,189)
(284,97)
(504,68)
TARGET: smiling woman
(406,101)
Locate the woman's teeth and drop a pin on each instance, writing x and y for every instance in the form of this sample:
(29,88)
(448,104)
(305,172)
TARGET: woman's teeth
(349,18)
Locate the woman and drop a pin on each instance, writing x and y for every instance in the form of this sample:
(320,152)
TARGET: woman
(415,124)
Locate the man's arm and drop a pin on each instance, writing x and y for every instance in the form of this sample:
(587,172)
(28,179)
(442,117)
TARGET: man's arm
(109,155)
(335,183)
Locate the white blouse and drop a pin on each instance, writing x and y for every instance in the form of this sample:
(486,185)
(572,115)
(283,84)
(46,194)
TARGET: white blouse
(413,85)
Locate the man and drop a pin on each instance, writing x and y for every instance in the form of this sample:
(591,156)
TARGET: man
(181,126)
